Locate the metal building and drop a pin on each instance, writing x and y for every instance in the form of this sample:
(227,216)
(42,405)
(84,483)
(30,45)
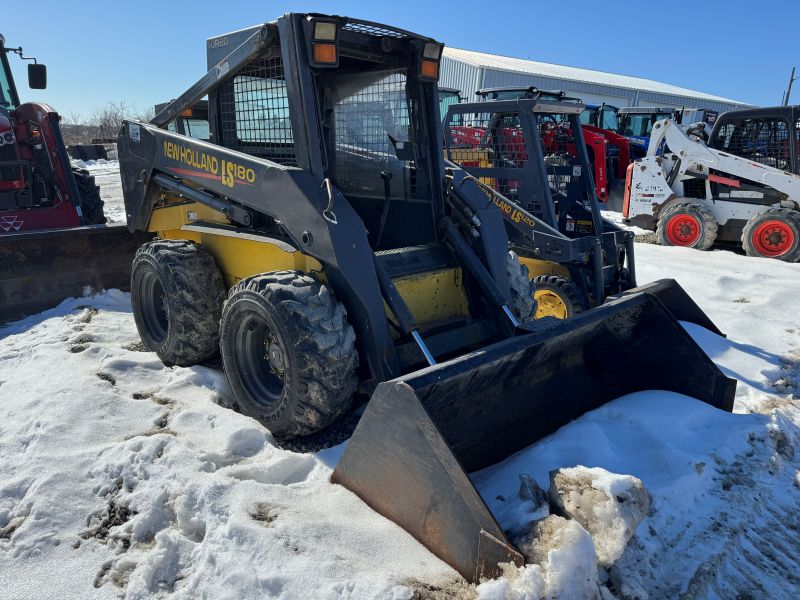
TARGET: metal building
(469,71)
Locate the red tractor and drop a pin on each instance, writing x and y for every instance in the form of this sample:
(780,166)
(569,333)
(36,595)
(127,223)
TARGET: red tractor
(53,239)
(39,189)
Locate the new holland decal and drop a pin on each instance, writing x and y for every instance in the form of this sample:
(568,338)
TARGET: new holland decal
(207,166)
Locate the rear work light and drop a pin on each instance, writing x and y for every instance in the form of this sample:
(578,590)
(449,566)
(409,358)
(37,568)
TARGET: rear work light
(324,46)
(429,61)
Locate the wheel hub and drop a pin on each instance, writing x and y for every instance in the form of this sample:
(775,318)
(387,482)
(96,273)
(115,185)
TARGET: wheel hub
(550,304)
(683,230)
(261,358)
(773,238)
(275,356)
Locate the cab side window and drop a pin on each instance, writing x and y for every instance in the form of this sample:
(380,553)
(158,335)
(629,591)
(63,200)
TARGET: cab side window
(762,140)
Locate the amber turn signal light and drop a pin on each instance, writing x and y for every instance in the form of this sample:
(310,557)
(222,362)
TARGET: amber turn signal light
(429,69)
(325,53)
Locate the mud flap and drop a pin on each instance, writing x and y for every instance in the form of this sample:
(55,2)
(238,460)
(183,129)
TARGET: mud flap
(39,269)
(678,302)
(422,433)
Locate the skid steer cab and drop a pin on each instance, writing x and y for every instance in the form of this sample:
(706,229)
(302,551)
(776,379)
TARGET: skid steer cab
(321,245)
(742,188)
(601,150)
(532,157)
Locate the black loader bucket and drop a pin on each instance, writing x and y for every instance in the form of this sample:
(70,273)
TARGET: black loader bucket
(678,302)
(39,269)
(422,433)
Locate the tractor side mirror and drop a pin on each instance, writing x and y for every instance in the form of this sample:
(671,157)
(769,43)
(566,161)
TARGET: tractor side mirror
(37,76)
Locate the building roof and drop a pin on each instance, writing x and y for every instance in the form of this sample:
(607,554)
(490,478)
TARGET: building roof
(532,67)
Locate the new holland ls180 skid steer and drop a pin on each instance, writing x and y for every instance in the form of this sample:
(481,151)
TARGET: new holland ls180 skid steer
(322,245)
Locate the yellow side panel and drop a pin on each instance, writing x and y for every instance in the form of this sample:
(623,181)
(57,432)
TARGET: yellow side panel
(236,257)
(239,258)
(433,296)
(472,157)
(173,217)
(538,267)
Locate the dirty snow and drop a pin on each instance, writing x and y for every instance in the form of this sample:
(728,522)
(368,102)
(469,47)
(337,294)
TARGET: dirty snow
(120,477)
(609,506)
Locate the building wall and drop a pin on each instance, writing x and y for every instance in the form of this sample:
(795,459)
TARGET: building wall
(469,78)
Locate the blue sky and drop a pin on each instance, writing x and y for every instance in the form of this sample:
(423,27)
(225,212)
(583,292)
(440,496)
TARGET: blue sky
(143,51)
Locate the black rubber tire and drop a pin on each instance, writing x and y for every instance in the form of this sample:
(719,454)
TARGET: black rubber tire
(566,290)
(790,218)
(91,202)
(523,304)
(309,381)
(177,295)
(708,226)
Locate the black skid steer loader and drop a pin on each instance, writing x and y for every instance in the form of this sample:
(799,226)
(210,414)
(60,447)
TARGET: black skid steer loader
(319,242)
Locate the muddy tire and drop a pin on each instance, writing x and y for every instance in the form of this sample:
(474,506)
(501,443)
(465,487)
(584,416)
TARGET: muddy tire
(289,353)
(558,297)
(775,233)
(91,202)
(687,224)
(177,295)
(523,304)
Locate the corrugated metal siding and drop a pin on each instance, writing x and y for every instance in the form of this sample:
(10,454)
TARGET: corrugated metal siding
(650,99)
(594,92)
(468,78)
(461,76)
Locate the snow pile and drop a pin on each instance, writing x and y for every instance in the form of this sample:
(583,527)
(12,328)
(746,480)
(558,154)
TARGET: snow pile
(719,483)
(562,558)
(609,506)
(617,219)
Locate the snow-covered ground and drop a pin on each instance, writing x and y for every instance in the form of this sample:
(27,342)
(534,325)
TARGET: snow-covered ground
(616,218)
(121,477)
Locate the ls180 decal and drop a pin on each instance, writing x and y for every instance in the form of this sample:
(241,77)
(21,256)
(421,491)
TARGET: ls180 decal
(227,172)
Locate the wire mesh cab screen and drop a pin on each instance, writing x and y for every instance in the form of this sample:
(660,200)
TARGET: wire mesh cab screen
(762,140)
(490,140)
(493,146)
(371,123)
(370,127)
(254,108)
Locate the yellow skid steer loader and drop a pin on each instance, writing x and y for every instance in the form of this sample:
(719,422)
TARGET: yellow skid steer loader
(321,245)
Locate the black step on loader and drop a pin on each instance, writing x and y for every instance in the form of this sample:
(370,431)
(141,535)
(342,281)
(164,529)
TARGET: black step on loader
(319,242)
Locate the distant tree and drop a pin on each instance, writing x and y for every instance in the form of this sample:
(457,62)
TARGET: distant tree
(103,124)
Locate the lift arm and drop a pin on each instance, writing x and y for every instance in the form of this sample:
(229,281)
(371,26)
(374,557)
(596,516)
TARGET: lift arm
(694,158)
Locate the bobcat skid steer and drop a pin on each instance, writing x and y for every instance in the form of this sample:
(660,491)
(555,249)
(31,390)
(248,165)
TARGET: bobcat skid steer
(743,187)
(319,243)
